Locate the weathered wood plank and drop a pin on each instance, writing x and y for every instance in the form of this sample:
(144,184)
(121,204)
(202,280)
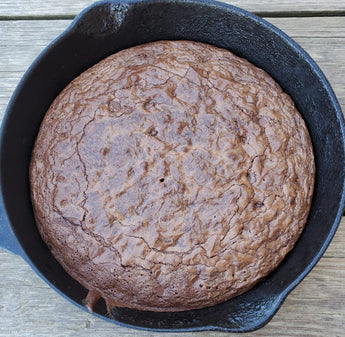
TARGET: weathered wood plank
(328,27)
(29,307)
(29,8)
(22,41)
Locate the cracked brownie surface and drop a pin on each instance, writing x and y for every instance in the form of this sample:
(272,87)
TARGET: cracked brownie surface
(170,176)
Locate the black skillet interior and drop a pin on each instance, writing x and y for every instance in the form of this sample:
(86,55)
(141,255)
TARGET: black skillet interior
(108,27)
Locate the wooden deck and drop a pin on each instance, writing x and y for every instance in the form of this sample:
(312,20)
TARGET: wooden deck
(28,307)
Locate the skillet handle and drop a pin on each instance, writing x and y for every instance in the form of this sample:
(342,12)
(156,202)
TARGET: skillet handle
(253,312)
(8,239)
(101,17)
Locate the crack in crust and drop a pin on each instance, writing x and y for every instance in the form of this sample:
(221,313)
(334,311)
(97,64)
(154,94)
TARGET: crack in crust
(171,176)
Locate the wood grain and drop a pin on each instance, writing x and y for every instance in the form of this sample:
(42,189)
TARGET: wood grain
(27,8)
(21,41)
(29,307)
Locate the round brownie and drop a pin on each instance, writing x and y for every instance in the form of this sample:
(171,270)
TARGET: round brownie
(171,176)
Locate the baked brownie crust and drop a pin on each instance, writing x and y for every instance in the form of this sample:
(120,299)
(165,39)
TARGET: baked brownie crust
(170,176)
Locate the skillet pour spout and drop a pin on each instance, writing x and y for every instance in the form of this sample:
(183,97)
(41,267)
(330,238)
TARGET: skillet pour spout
(109,26)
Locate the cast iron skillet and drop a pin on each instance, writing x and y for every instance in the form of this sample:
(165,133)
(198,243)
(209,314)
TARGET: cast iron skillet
(109,26)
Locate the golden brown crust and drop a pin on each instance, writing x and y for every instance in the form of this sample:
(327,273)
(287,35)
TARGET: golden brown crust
(171,176)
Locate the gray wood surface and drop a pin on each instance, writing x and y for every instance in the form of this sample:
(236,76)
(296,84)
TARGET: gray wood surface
(22,40)
(28,307)
(26,8)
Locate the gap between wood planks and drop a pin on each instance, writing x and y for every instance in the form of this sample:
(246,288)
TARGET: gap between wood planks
(278,14)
